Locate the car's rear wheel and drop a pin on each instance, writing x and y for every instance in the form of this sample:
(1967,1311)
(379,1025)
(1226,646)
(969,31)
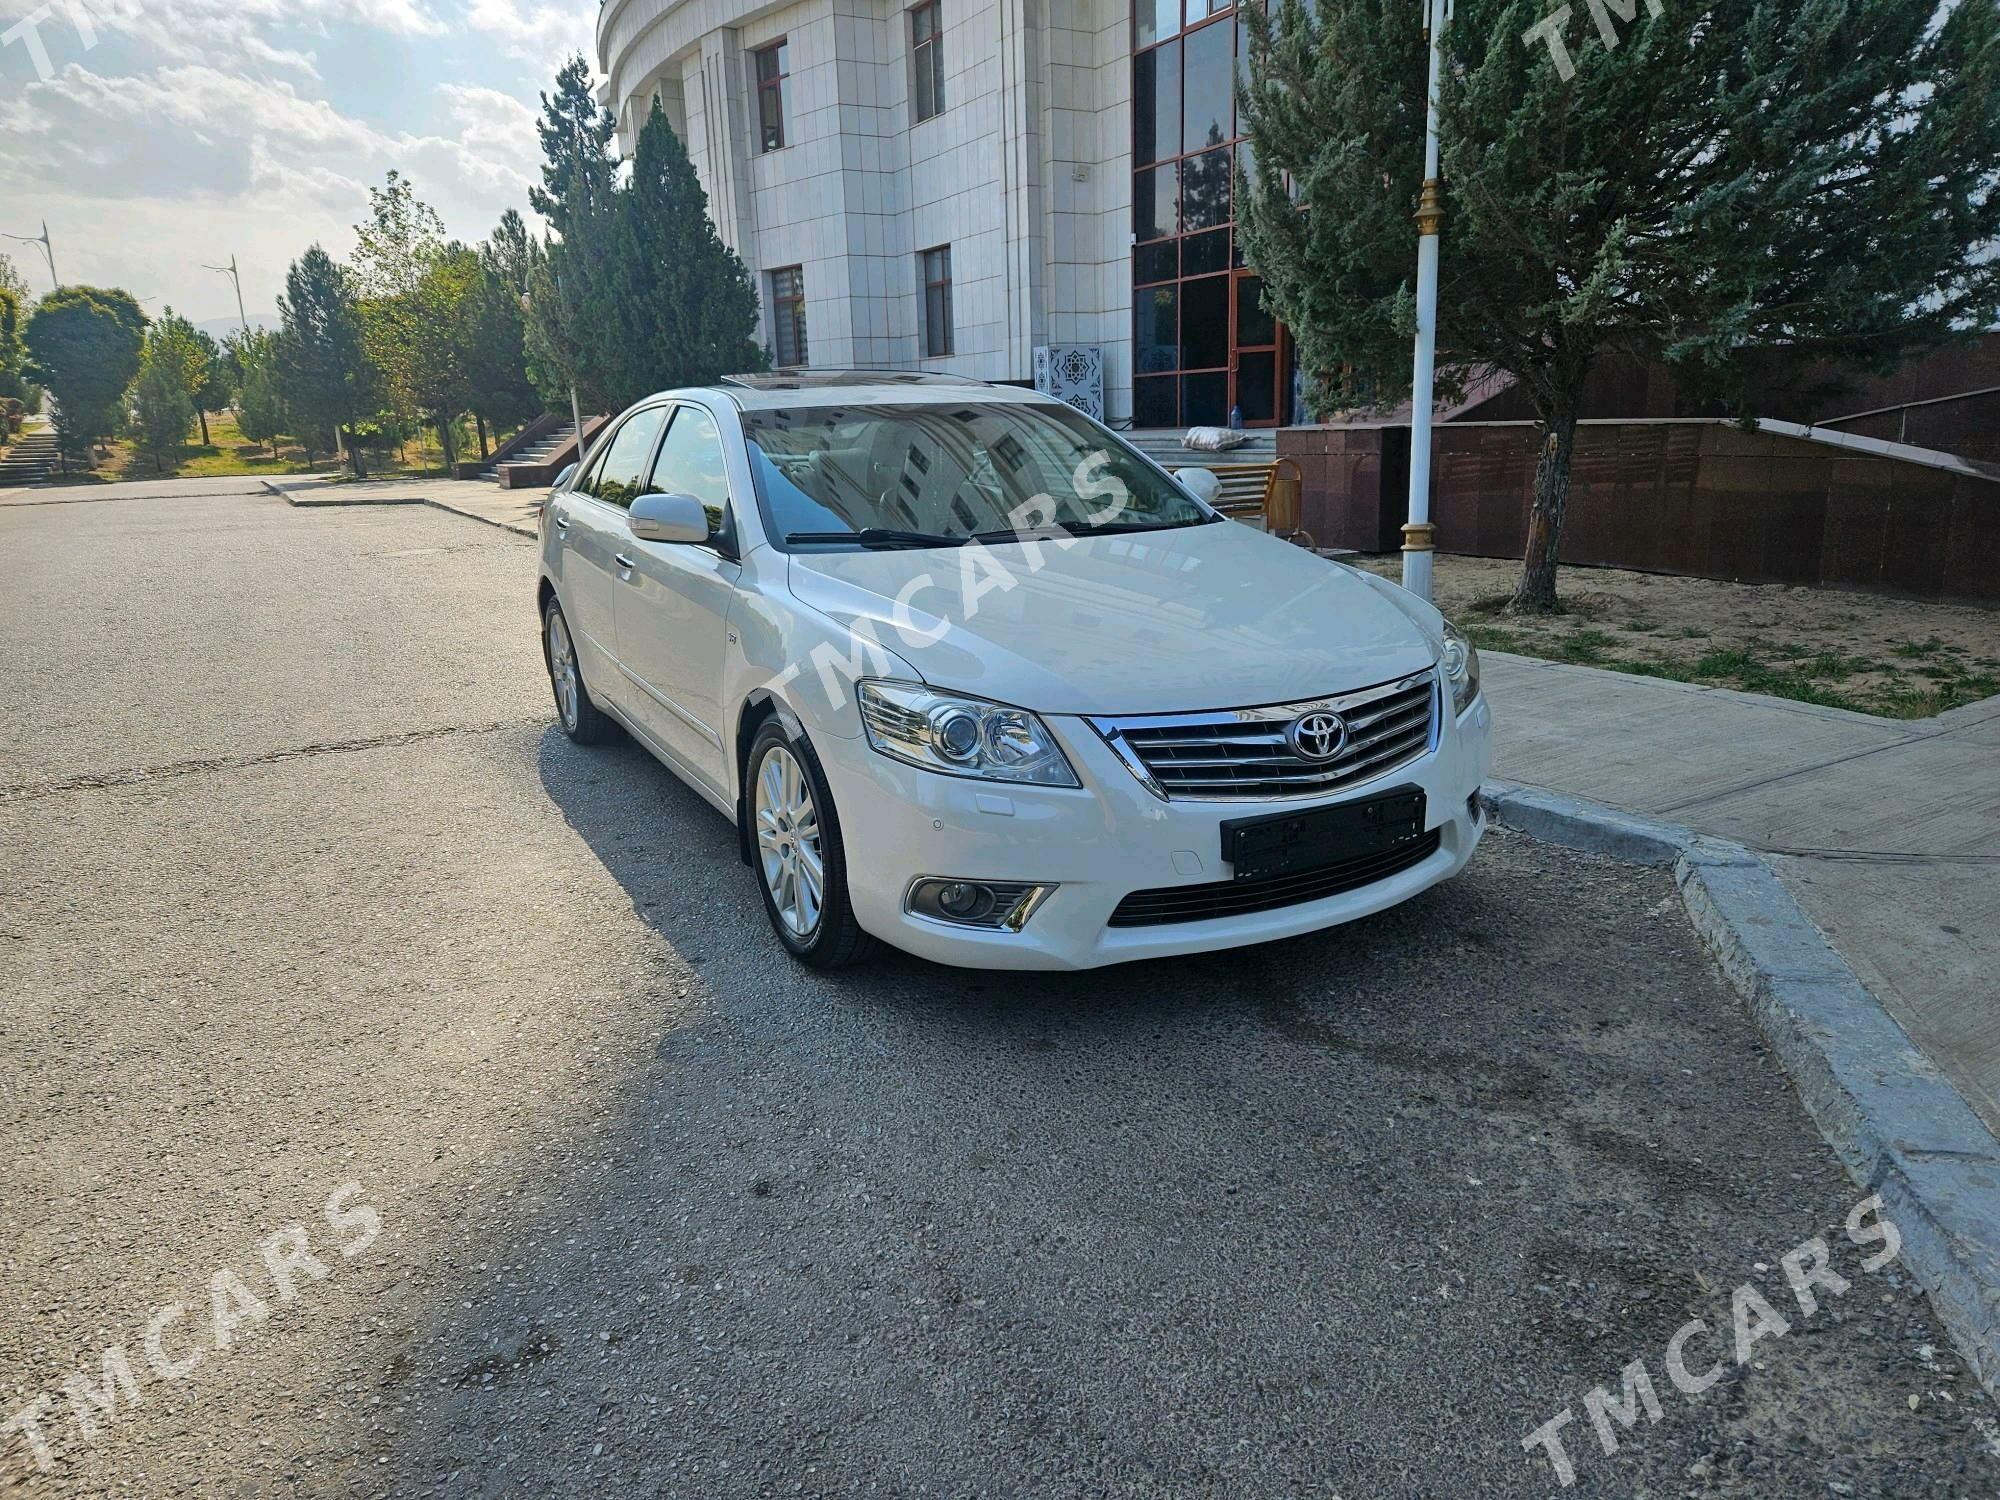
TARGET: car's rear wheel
(800,861)
(580,718)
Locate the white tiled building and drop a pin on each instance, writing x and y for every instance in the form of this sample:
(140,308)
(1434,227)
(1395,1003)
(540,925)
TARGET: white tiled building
(950,185)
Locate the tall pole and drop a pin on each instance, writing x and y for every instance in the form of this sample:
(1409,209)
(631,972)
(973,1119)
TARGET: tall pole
(575,411)
(48,252)
(1418,534)
(237,281)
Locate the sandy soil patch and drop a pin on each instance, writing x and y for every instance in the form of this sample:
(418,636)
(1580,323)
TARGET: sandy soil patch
(1903,658)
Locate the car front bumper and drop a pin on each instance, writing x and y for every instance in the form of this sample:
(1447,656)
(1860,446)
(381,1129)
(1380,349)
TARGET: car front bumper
(1102,841)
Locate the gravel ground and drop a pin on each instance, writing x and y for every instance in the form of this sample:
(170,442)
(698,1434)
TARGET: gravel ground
(662,1214)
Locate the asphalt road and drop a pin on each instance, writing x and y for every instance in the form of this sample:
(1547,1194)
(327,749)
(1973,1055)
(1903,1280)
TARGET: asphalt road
(301,890)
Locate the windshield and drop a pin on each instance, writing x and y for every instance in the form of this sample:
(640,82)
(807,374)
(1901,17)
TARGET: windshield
(937,474)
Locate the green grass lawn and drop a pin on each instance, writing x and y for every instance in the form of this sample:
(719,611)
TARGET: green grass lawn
(229,454)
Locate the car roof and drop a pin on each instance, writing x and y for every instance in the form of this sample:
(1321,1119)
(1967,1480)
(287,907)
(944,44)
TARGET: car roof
(777,390)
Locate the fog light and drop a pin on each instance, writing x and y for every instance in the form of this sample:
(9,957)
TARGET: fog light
(964,903)
(991,904)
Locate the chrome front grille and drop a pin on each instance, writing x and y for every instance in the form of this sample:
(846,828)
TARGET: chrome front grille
(1248,754)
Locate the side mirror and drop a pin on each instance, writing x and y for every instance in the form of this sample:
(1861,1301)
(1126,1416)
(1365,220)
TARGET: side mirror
(1204,484)
(563,479)
(669,518)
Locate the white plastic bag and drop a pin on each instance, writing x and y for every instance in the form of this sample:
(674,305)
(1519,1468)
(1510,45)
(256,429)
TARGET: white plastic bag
(1213,439)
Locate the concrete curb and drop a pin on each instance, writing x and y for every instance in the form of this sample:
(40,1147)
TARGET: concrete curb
(1895,1121)
(311,501)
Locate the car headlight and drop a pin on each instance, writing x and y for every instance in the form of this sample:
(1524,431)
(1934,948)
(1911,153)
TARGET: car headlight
(961,736)
(1461,667)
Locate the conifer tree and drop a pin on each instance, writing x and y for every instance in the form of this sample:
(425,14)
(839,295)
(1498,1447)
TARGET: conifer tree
(676,300)
(579,198)
(1744,184)
(325,378)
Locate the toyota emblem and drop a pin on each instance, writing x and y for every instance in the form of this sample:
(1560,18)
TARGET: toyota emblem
(1317,736)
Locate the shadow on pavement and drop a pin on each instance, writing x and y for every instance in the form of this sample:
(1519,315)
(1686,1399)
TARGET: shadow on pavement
(1345,1215)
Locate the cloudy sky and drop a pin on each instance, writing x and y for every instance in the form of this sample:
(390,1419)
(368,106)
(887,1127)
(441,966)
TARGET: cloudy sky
(168,133)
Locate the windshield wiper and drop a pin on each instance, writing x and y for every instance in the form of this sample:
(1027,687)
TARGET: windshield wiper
(875,538)
(1080,528)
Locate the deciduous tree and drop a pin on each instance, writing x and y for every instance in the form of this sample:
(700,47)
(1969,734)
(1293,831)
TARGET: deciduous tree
(83,348)
(176,346)
(13,352)
(413,288)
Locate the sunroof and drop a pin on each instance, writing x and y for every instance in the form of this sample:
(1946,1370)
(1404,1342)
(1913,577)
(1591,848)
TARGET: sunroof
(819,380)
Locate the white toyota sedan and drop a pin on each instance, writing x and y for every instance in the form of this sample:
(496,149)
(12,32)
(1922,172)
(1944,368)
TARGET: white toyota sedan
(975,678)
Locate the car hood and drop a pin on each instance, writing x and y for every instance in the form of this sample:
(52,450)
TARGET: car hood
(1202,617)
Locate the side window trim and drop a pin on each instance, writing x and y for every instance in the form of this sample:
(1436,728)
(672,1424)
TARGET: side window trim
(591,462)
(650,485)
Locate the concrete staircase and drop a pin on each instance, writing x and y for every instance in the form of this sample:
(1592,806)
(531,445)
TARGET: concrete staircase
(539,451)
(28,458)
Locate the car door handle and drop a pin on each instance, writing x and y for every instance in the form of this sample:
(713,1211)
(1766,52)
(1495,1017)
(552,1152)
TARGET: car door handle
(624,562)
(562,523)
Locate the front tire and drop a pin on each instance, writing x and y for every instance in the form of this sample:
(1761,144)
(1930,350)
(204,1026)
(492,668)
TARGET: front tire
(580,718)
(797,852)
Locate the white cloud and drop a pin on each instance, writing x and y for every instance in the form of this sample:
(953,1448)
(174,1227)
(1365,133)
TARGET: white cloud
(174,132)
(147,176)
(279,57)
(537,33)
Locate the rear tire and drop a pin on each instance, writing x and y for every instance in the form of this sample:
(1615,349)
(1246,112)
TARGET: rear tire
(797,853)
(580,718)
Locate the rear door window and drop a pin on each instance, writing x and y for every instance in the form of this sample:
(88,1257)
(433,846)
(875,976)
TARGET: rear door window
(620,478)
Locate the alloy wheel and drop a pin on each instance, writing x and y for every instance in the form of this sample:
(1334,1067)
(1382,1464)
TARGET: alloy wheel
(562,670)
(788,842)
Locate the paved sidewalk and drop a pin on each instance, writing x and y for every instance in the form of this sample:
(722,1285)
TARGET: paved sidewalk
(513,510)
(1886,832)
(129,489)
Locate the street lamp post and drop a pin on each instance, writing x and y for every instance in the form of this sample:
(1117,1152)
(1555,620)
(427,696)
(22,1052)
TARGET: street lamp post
(48,253)
(237,281)
(1418,534)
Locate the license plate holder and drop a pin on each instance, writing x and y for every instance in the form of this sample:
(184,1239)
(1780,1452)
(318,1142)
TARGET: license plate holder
(1255,848)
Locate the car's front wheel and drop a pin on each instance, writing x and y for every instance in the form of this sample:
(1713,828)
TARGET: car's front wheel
(796,846)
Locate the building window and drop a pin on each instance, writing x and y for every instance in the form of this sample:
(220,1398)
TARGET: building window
(1203,344)
(936,266)
(927,52)
(788,317)
(773,68)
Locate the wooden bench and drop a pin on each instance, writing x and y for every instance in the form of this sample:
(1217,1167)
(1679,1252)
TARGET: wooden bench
(1243,488)
(1263,494)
